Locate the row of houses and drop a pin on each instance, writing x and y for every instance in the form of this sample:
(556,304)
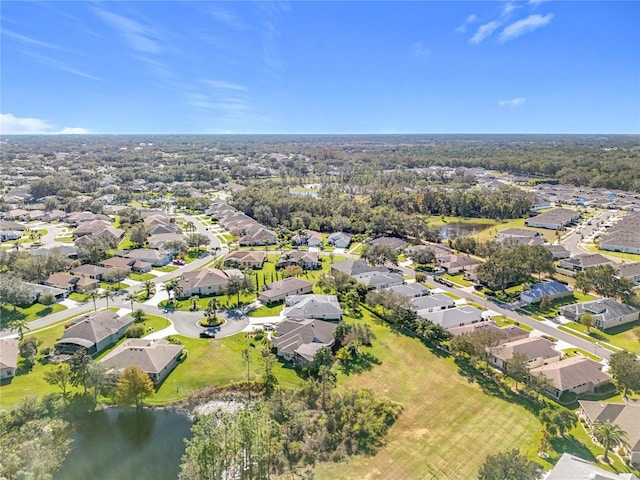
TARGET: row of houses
(624,236)
(250,231)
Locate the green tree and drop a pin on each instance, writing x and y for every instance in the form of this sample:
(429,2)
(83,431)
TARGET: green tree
(558,421)
(269,380)
(588,320)
(107,295)
(545,303)
(625,369)
(509,465)
(79,368)
(196,240)
(59,376)
(149,286)
(246,359)
(237,285)
(133,386)
(138,315)
(139,234)
(517,367)
(97,379)
(608,435)
(19,325)
(212,308)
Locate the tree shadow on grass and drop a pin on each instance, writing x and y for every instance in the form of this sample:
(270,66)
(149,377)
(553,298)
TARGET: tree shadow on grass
(362,362)
(8,315)
(497,389)
(573,446)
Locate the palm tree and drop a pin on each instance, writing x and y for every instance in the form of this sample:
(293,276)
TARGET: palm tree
(131,297)
(148,286)
(20,325)
(194,301)
(212,308)
(107,294)
(168,287)
(138,315)
(608,435)
(94,295)
(177,288)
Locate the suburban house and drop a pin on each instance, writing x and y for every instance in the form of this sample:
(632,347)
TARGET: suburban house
(94,332)
(157,358)
(537,350)
(558,251)
(455,317)
(309,238)
(323,307)
(551,290)
(308,260)
(509,333)
(6,235)
(97,228)
(71,283)
(630,271)
(8,357)
(156,258)
(258,236)
(206,281)
(118,262)
(159,240)
(410,290)
(299,340)
(383,280)
(624,236)
(554,219)
(339,239)
(431,303)
(17,214)
(37,290)
(278,291)
(520,236)
(607,312)
(625,415)
(391,242)
(578,263)
(245,258)
(452,263)
(76,218)
(89,271)
(576,374)
(358,269)
(575,468)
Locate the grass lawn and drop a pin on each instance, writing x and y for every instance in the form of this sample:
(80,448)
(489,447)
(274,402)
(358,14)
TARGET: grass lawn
(621,336)
(503,321)
(490,233)
(458,278)
(126,244)
(629,257)
(113,286)
(217,362)
(141,277)
(448,425)
(33,312)
(572,352)
(166,268)
(224,302)
(265,311)
(78,297)
(64,239)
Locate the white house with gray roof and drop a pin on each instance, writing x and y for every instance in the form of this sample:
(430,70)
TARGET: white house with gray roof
(299,340)
(94,332)
(431,303)
(157,358)
(278,291)
(607,312)
(570,467)
(324,307)
(576,374)
(538,351)
(455,317)
(554,219)
(410,290)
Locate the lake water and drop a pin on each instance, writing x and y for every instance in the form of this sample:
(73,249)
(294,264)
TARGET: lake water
(455,230)
(118,444)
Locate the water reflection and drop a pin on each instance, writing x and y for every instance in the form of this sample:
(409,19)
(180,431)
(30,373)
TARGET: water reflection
(117,444)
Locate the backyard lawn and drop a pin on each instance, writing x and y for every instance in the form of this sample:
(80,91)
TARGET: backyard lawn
(217,362)
(267,311)
(621,336)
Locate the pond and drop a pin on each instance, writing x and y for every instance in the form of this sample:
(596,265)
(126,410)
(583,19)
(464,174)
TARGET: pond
(455,230)
(116,444)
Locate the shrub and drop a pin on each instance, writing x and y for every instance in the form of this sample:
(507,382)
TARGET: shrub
(47,299)
(135,331)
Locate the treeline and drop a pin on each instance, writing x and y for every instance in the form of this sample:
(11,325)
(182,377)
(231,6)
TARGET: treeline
(392,211)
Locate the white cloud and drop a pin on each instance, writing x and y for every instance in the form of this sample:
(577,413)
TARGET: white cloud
(526,25)
(419,49)
(516,102)
(29,40)
(484,31)
(12,125)
(224,85)
(138,36)
(508,8)
(469,20)
(225,16)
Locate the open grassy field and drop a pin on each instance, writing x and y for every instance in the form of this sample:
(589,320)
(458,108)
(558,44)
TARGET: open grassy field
(449,423)
(217,362)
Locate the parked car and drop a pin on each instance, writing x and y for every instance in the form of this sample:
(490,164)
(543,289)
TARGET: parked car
(268,327)
(208,333)
(178,261)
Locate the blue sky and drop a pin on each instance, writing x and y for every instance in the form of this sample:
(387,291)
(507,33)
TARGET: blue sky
(320,67)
